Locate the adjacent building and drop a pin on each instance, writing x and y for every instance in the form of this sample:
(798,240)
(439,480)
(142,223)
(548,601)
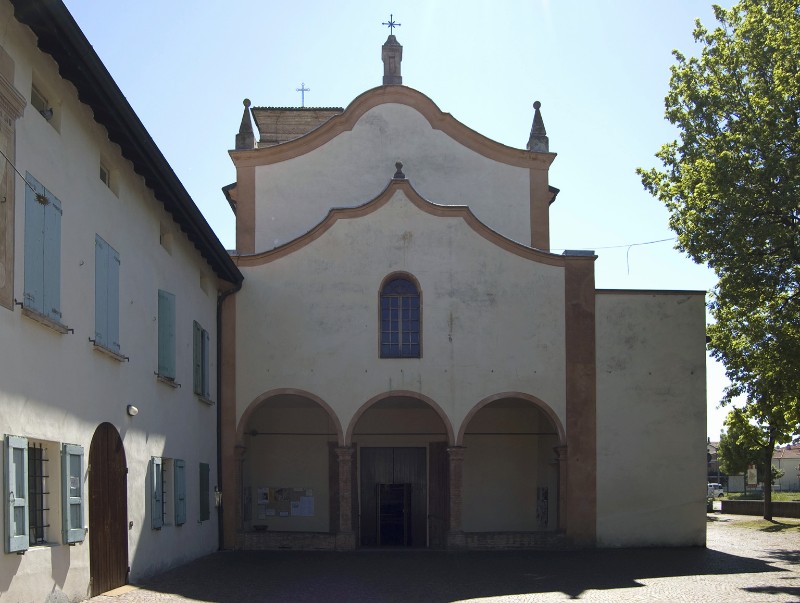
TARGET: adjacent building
(109,283)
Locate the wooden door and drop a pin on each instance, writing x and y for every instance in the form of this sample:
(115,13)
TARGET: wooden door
(393,466)
(108,511)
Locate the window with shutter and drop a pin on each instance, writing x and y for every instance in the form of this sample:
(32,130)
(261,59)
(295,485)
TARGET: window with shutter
(42,250)
(106,295)
(201,360)
(72,493)
(156,494)
(16,492)
(166,334)
(180,491)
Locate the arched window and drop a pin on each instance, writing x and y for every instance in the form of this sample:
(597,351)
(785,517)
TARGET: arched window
(400,319)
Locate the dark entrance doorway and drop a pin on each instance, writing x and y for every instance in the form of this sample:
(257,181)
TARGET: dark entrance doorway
(393,497)
(108,510)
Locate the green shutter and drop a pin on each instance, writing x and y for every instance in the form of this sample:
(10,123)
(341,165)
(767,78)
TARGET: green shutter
(180,492)
(34,246)
(156,494)
(52,258)
(100,292)
(205,509)
(72,493)
(16,493)
(166,334)
(197,357)
(205,364)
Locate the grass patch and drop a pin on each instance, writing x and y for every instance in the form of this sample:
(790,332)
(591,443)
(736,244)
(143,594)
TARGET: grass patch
(776,496)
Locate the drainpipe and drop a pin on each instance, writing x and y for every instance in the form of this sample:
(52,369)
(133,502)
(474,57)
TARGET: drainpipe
(220,300)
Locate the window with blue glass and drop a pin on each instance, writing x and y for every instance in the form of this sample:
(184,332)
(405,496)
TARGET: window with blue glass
(400,319)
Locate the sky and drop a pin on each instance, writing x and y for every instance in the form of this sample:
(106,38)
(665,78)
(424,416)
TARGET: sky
(600,70)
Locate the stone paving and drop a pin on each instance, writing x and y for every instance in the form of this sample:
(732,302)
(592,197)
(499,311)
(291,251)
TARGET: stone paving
(738,565)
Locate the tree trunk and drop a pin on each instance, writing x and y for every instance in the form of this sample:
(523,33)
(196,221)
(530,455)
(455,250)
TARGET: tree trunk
(768,477)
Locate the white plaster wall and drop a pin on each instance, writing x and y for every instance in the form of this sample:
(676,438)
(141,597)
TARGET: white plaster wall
(651,417)
(56,387)
(357,165)
(503,468)
(492,321)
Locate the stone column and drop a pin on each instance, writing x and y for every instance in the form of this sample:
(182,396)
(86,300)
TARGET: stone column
(345,538)
(455,535)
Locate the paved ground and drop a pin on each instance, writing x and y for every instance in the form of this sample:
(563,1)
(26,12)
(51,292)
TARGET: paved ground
(738,565)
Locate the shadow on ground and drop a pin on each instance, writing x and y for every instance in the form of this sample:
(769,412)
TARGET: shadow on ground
(435,576)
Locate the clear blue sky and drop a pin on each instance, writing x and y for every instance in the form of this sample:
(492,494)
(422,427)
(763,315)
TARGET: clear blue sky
(600,70)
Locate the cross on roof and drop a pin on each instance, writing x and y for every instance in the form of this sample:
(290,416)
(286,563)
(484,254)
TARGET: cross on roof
(391,24)
(302,90)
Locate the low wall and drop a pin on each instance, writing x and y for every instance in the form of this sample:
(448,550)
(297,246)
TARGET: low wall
(756,507)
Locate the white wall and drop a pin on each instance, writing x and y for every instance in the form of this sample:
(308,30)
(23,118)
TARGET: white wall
(651,467)
(441,170)
(492,321)
(56,387)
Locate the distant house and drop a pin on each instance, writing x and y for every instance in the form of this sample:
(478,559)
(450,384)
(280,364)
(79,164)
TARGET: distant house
(787,459)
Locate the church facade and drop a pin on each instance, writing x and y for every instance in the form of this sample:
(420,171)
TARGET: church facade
(409,365)
(391,357)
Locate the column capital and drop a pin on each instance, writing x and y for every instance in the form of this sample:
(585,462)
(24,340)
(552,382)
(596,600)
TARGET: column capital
(344,453)
(456,453)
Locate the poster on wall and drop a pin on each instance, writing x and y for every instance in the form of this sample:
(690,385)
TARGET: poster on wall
(285,502)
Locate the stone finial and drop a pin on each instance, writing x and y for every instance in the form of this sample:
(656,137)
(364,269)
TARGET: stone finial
(392,55)
(399,175)
(538,140)
(245,139)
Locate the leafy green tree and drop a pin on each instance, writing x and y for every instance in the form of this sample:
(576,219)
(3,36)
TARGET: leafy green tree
(732,186)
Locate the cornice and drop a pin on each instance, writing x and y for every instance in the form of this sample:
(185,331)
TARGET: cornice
(402,95)
(404,186)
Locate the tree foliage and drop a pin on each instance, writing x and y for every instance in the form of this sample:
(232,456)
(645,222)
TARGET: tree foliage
(731,183)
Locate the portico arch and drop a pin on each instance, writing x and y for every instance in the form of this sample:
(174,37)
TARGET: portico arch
(512,451)
(287,443)
(401,440)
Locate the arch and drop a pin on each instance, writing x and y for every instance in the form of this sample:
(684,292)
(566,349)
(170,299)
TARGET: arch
(348,439)
(261,400)
(562,440)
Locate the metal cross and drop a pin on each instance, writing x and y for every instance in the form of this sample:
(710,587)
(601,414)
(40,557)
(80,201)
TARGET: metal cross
(391,24)
(302,90)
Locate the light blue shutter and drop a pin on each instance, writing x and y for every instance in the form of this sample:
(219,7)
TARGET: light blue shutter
(113,299)
(166,334)
(16,493)
(101,292)
(34,245)
(197,358)
(52,258)
(180,492)
(205,363)
(72,493)
(156,494)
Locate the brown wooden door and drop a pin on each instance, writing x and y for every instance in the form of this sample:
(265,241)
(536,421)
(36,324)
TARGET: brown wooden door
(108,510)
(393,466)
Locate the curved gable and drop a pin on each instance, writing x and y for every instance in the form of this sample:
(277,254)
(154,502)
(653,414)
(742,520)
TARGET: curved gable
(404,186)
(401,95)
